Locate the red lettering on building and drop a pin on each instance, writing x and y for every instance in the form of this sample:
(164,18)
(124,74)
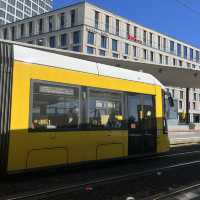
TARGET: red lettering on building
(134,39)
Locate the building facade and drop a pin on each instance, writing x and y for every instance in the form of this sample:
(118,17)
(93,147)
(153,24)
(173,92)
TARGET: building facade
(89,29)
(14,10)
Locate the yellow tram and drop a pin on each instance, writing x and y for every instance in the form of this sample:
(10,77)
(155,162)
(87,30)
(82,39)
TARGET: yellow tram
(57,110)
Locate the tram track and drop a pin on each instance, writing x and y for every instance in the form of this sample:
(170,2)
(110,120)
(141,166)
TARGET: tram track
(181,191)
(65,190)
(31,183)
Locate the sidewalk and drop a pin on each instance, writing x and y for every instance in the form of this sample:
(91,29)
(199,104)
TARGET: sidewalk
(184,137)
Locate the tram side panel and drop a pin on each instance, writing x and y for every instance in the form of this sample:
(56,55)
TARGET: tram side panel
(162,137)
(34,149)
(29,149)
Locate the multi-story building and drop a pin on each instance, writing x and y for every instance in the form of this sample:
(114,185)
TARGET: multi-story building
(13,10)
(89,29)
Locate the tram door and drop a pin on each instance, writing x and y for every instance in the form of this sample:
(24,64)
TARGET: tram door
(141,124)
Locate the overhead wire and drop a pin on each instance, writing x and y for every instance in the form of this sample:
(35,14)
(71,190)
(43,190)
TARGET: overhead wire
(186,5)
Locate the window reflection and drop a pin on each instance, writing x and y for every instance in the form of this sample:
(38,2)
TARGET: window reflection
(55,106)
(134,111)
(105,109)
(141,112)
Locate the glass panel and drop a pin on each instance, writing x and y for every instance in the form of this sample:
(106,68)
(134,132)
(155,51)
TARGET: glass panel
(134,111)
(141,112)
(148,113)
(172,46)
(55,106)
(105,109)
(90,38)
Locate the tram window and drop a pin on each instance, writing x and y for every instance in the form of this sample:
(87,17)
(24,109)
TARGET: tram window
(149,112)
(141,112)
(134,111)
(54,106)
(105,109)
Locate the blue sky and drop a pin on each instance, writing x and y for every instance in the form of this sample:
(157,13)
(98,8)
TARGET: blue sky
(170,17)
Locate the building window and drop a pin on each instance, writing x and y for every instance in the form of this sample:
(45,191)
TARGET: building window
(90,50)
(151,39)
(107,23)
(134,51)
(188,65)
(90,38)
(51,23)
(3,6)
(62,20)
(10,18)
(19,14)
(191,54)
(151,56)
(179,50)
(40,42)
(159,42)
(114,45)
(160,58)
(73,12)
(172,46)
(185,52)
(164,44)
(135,31)
(104,41)
(96,19)
(174,61)
(181,94)
(194,96)
(30,28)
(5,31)
(63,40)
(145,54)
(11,9)
(144,37)
(102,52)
(180,63)
(126,48)
(194,105)
(115,55)
(197,56)
(54,106)
(52,41)
(127,30)
(13,33)
(40,26)
(117,27)
(166,60)
(76,37)
(180,105)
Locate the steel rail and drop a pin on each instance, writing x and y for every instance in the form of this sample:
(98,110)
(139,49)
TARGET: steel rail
(67,189)
(170,155)
(178,191)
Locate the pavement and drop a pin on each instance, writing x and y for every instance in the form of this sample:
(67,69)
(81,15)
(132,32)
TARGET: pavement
(184,137)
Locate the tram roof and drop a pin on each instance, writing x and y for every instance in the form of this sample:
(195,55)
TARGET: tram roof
(54,59)
(152,73)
